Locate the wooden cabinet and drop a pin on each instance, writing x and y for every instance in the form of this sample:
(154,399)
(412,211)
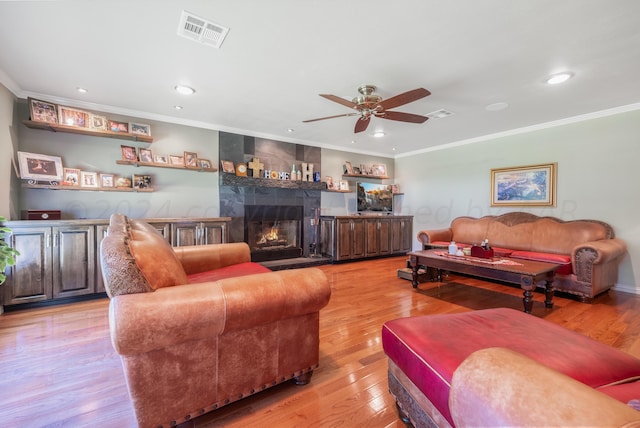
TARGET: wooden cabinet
(55,262)
(199,233)
(60,259)
(358,237)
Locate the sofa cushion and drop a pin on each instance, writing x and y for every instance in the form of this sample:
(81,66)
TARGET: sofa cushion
(429,348)
(154,256)
(623,391)
(240,269)
(560,259)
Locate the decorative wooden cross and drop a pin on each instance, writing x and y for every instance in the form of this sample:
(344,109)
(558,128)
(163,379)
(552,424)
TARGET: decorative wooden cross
(256,166)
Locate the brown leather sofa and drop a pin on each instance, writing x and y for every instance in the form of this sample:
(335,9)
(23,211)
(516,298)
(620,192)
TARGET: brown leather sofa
(586,250)
(200,327)
(499,387)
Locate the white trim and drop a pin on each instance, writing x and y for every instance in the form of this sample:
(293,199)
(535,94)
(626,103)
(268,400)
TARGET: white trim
(623,288)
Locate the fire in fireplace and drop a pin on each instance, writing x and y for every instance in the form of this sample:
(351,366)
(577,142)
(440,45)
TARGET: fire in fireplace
(273,232)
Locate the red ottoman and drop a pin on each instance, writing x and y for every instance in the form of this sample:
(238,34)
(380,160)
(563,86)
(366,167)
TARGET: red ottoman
(424,352)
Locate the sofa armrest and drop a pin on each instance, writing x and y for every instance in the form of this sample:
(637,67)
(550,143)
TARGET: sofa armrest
(428,236)
(201,258)
(499,387)
(172,315)
(604,250)
(598,259)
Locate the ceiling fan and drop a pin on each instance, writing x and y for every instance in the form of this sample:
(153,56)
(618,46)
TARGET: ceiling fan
(369,104)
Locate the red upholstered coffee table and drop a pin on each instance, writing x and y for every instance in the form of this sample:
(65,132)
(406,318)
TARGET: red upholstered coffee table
(526,273)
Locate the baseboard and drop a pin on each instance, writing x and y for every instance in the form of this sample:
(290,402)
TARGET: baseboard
(626,289)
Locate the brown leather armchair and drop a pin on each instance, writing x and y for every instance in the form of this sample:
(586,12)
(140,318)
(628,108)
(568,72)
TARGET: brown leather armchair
(201,327)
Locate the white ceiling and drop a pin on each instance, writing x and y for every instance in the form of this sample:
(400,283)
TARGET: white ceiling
(280,54)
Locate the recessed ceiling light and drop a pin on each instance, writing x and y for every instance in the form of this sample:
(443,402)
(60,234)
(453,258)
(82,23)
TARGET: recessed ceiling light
(290,130)
(184,90)
(497,106)
(178,107)
(559,78)
(82,90)
(378,134)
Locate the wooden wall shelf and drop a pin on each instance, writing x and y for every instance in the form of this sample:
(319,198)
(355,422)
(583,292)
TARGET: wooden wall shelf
(90,189)
(228,179)
(337,191)
(55,127)
(165,165)
(375,177)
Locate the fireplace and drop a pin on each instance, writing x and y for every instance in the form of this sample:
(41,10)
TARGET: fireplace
(273,232)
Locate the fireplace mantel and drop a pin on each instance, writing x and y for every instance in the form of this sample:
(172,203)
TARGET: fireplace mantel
(228,179)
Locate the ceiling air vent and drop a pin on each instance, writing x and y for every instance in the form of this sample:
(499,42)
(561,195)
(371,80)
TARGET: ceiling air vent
(439,114)
(201,30)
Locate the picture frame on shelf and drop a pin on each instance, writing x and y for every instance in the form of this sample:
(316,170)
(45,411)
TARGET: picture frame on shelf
(88,179)
(204,163)
(190,159)
(141,181)
(129,153)
(145,155)
(356,170)
(34,166)
(71,177)
(73,117)
(344,185)
(531,185)
(379,169)
(43,111)
(97,122)
(115,126)
(348,168)
(227,166)
(139,128)
(160,159)
(176,160)
(106,180)
(123,182)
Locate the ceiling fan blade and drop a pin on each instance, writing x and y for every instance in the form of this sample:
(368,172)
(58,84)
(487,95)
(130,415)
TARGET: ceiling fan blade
(404,98)
(339,100)
(362,124)
(331,117)
(404,117)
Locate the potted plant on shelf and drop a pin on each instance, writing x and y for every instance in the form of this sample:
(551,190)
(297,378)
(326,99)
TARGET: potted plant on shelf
(7,253)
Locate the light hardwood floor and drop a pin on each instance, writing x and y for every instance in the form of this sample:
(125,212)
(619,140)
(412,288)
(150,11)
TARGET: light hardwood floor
(58,368)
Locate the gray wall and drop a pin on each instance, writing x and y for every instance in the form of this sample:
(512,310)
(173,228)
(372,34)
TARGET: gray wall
(596,179)
(8,137)
(179,193)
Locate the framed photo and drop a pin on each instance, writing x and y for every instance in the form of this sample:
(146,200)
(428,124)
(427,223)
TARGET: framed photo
(129,153)
(115,126)
(348,169)
(356,170)
(344,185)
(139,128)
(42,111)
(227,166)
(73,117)
(533,185)
(40,167)
(176,160)
(141,181)
(204,163)
(160,159)
(71,177)
(145,155)
(97,122)
(106,180)
(379,169)
(88,179)
(190,159)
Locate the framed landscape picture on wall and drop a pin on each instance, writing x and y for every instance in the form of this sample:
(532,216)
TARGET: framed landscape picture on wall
(533,185)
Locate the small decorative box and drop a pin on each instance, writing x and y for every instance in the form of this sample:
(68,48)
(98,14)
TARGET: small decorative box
(477,251)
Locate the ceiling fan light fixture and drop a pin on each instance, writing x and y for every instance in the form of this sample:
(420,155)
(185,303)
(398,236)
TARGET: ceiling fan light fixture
(378,134)
(184,90)
(558,78)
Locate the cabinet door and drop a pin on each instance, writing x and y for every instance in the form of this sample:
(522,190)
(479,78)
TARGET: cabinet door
(384,237)
(213,233)
(327,234)
(407,235)
(359,238)
(30,279)
(183,234)
(73,260)
(373,237)
(344,239)
(396,236)
(164,229)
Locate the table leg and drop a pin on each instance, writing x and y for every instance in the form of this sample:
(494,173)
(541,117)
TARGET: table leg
(548,294)
(527,284)
(414,271)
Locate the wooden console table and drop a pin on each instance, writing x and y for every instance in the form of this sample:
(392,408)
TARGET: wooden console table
(526,273)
